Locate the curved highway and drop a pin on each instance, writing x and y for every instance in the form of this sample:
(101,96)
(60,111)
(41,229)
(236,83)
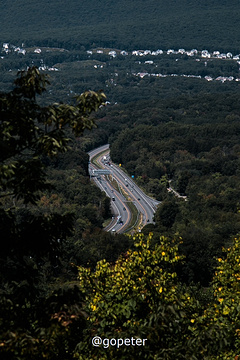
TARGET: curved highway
(145,205)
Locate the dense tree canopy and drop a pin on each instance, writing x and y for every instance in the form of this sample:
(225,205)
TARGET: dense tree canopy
(123,24)
(191,145)
(31,238)
(139,296)
(137,287)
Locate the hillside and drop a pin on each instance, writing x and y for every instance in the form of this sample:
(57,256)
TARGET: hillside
(123,24)
(172,120)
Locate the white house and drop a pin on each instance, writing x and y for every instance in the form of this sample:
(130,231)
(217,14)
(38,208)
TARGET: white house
(112,53)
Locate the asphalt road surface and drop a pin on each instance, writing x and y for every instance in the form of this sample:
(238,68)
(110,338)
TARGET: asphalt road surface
(145,205)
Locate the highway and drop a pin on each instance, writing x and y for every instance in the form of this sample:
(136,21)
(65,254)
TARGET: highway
(122,190)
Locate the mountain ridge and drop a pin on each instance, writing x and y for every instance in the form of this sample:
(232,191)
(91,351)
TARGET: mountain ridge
(123,23)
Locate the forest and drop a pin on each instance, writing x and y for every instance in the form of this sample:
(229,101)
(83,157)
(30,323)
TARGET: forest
(192,145)
(64,280)
(172,121)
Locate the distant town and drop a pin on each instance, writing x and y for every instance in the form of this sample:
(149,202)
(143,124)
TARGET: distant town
(194,52)
(205,54)
(8,48)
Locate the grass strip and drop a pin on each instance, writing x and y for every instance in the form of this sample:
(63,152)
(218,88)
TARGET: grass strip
(135,217)
(95,158)
(133,225)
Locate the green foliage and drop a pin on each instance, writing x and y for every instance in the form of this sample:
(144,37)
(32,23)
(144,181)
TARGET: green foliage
(49,328)
(40,324)
(166,213)
(29,132)
(137,296)
(220,320)
(196,156)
